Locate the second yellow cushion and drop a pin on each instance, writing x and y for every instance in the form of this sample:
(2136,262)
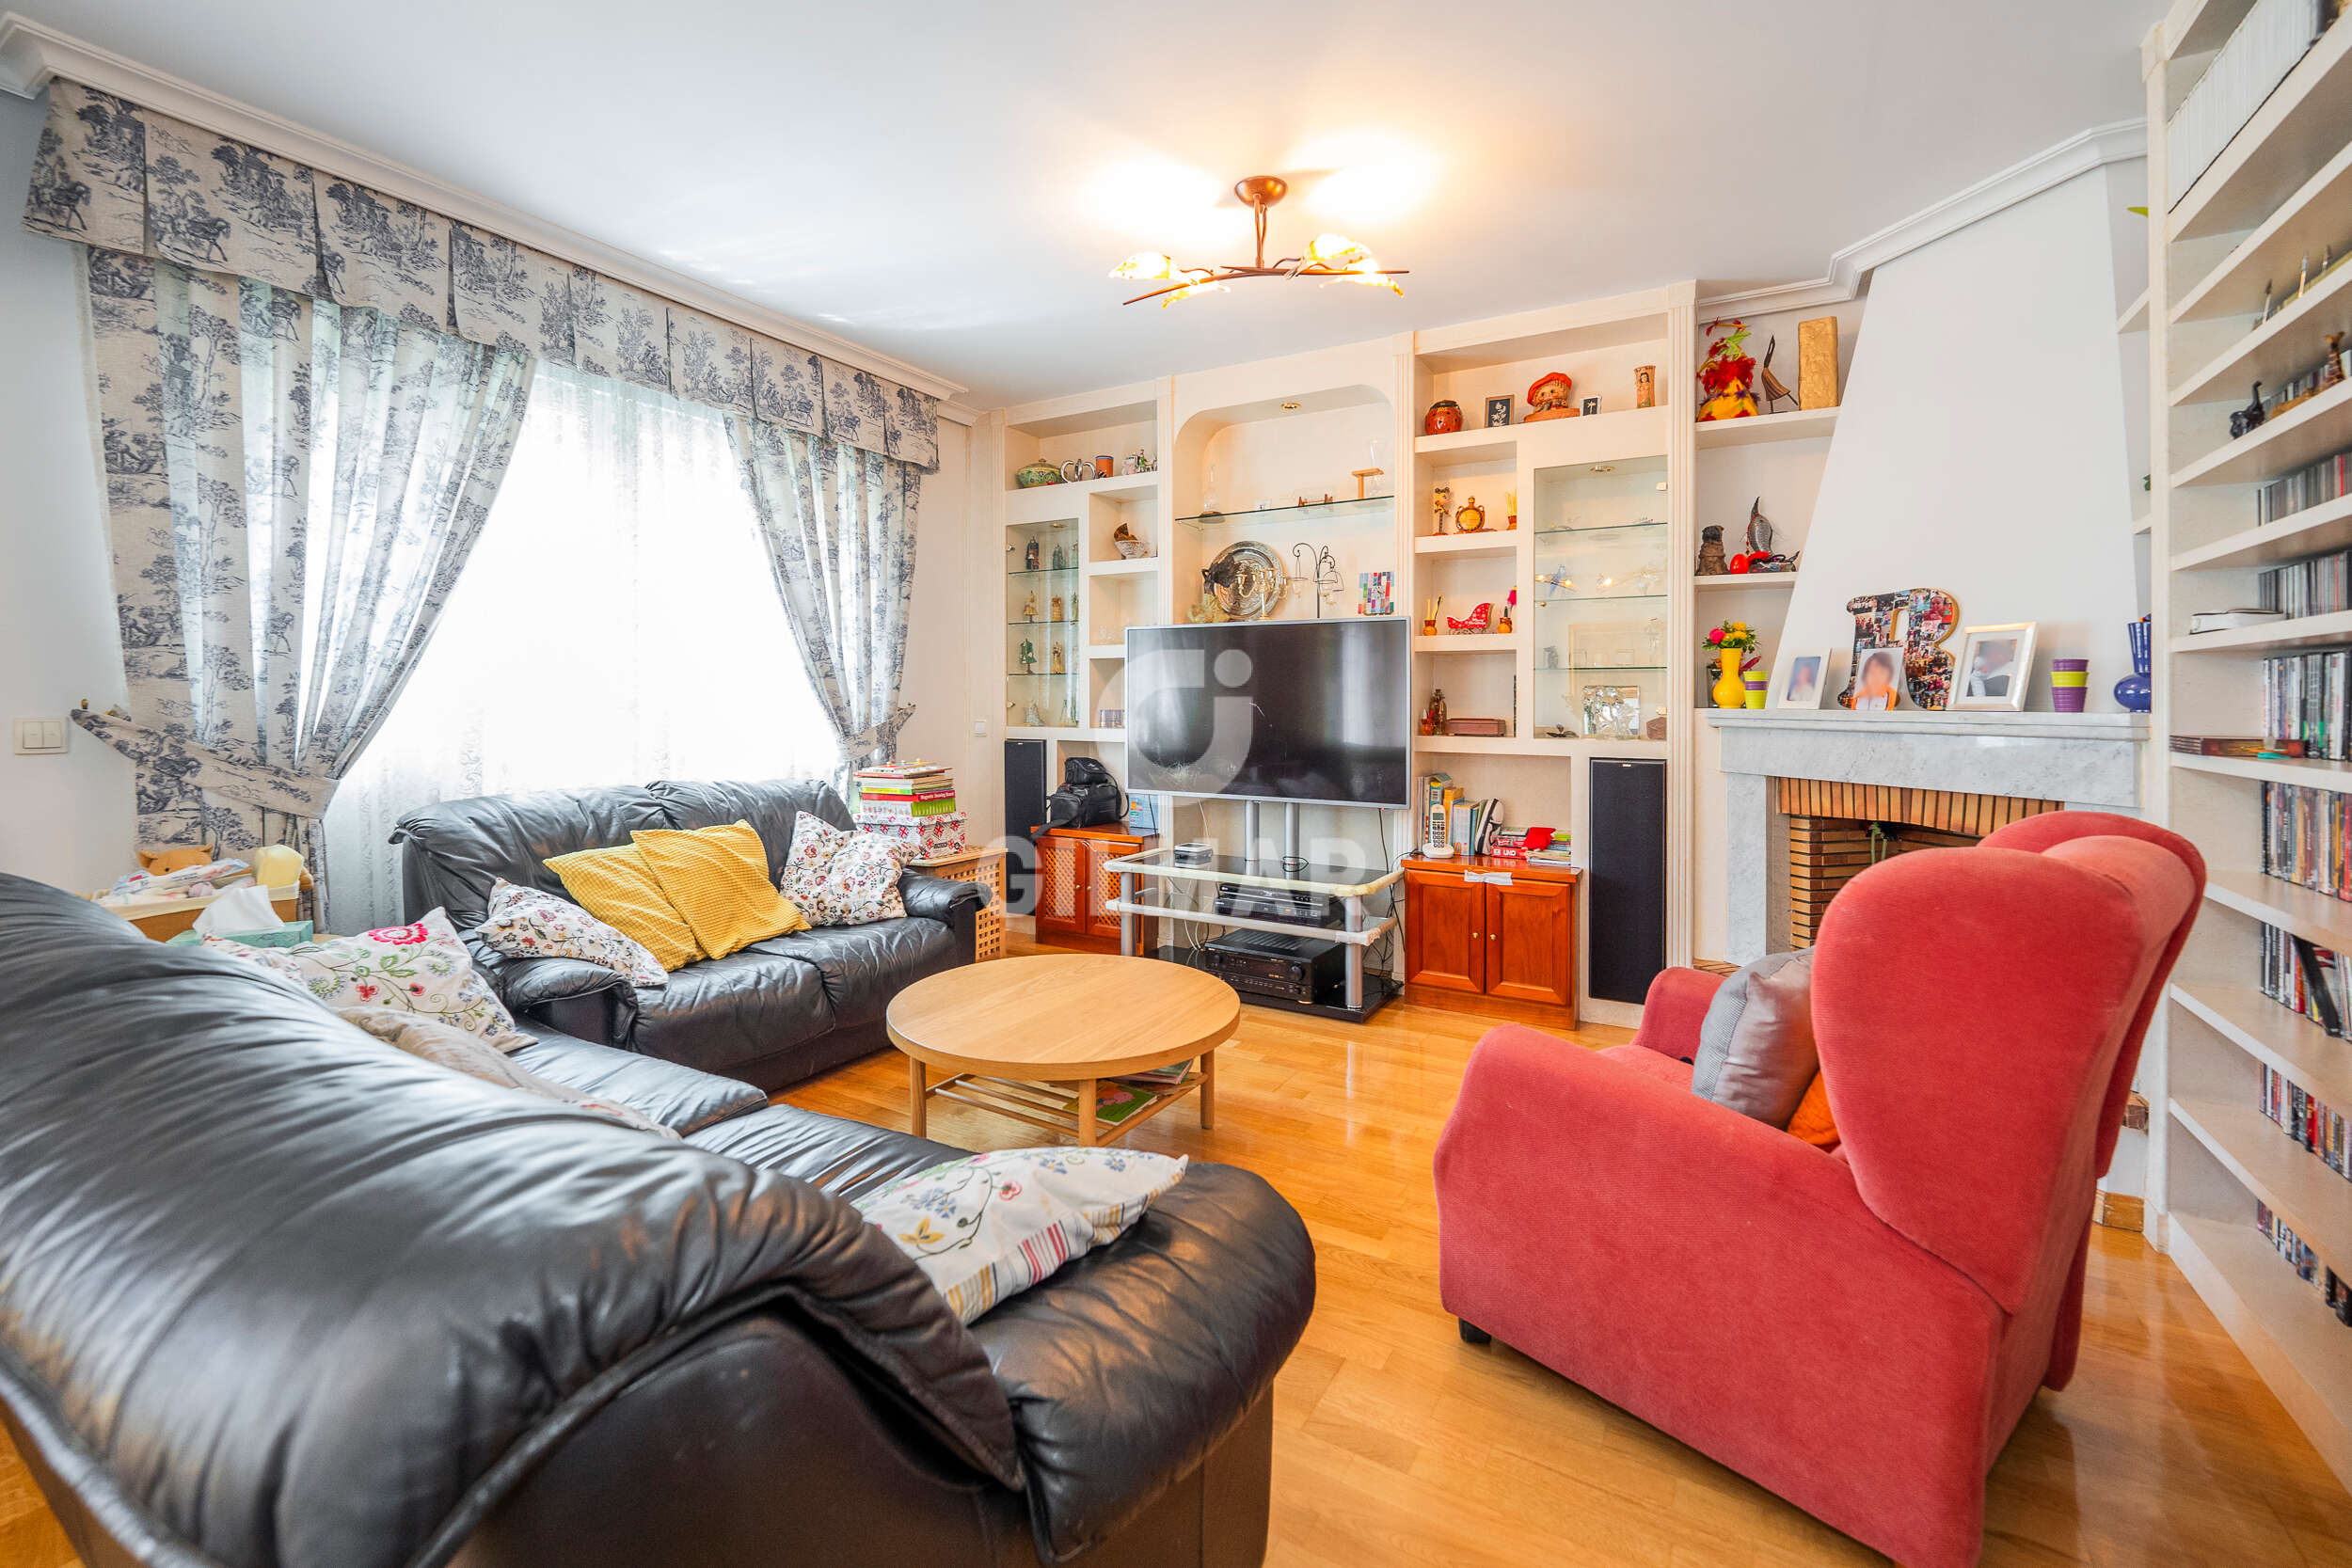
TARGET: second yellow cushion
(717,879)
(618,887)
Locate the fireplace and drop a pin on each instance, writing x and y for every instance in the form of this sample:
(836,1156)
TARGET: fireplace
(1837,830)
(1802,788)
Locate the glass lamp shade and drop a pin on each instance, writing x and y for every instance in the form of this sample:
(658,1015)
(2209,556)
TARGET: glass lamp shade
(1202,287)
(1336,250)
(1152,266)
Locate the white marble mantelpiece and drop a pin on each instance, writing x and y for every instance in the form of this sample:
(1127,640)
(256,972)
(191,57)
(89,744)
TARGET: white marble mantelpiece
(2090,761)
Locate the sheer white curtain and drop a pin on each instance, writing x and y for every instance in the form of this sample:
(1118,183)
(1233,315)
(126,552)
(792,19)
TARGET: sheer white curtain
(617,624)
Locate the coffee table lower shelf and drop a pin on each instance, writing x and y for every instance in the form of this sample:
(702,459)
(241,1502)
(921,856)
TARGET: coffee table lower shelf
(1066,1108)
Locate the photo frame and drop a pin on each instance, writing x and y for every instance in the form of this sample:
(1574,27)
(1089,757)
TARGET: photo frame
(1877,679)
(1499,411)
(1995,668)
(1804,679)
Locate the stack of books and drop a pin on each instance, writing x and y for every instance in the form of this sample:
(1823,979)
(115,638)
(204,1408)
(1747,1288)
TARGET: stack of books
(914,801)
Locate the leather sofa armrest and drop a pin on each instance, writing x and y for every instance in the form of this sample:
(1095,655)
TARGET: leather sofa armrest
(953,904)
(1674,1009)
(1128,1366)
(583,999)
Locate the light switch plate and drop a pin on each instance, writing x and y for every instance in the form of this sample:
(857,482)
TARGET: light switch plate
(38,738)
(980,726)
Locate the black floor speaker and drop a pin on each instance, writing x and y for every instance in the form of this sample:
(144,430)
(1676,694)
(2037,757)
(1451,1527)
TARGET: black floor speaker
(1025,809)
(1625,901)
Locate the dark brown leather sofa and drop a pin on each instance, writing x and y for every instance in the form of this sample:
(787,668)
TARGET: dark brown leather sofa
(273,1296)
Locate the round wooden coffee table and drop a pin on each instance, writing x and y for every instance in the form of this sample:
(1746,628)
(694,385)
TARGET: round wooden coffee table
(1032,1038)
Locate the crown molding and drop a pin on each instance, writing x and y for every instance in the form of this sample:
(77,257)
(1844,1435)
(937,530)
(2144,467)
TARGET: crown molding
(1849,269)
(32,54)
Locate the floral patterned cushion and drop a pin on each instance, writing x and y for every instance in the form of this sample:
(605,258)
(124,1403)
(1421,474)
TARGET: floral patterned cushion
(525,923)
(839,879)
(990,1225)
(420,967)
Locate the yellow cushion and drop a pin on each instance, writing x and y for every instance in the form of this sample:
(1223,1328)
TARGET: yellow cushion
(716,877)
(618,888)
(1812,1122)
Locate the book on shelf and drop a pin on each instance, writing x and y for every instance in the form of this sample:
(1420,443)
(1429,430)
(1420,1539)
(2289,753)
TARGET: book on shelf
(2236,745)
(2230,620)
(2308,698)
(886,772)
(2334,1289)
(883,809)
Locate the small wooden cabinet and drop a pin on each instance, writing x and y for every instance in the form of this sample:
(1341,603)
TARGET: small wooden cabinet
(1492,927)
(1075,888)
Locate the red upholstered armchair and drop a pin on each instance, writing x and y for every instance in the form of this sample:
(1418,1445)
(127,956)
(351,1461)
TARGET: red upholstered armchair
(1857,1330)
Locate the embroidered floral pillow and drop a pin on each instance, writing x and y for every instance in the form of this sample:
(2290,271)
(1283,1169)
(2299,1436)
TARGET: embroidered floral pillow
(422,967)
(990,1225)
(840,879)
(525,923)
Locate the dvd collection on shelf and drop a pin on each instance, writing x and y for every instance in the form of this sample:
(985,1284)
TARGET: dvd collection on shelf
(2305,978)
(2308,698)
(2306,1119)
(2316,485)
(2318,585)
(2334,1289)
(2307,837)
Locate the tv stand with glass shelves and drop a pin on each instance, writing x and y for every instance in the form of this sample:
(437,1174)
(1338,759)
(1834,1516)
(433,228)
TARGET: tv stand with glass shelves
(1360,993)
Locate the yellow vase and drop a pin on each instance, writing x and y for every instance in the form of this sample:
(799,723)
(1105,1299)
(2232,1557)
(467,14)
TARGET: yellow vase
(1730,690)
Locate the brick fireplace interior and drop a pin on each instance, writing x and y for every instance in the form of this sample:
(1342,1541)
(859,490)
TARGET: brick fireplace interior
(1835,830)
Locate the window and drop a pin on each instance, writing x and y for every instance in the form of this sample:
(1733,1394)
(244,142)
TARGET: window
(615,624)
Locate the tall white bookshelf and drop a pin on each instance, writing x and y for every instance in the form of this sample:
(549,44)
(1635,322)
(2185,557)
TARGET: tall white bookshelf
(2279,189)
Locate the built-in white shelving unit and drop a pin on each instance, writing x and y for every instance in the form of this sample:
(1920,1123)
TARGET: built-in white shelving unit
(2275,201)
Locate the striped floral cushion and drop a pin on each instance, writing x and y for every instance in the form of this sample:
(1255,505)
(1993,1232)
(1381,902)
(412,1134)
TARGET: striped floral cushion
(990,1225)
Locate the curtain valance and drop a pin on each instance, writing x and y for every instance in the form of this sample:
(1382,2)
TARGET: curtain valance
(112,175)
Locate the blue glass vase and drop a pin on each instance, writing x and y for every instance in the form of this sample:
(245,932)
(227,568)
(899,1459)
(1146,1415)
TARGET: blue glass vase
(2133,691)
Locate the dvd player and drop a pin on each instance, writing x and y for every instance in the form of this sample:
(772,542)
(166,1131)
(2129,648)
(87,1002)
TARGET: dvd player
(1291,906)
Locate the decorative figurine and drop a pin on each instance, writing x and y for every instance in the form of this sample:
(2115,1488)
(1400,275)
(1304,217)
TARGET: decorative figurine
(1727,375)
(1030,716)
(1058,667)
(1059,565)
(1547,399)
(1711,552)
(1432,717)
(1028,657)
(1759,531)
(2248,418)
(1502,625)
(1773,390)
(1443,419)
(1645,386)
(1475,621)
(1510,509)
(1444,498)
(1123,540)
(1055,608)
(1028,607)
(1028,558)
(1472,519)
(1141,463)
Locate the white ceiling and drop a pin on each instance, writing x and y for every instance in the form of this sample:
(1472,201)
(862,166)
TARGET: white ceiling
(951,184)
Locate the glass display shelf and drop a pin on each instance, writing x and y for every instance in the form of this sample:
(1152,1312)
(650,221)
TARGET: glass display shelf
(1071,625)
(1039,674)
(1598,598)
(1040,572)
(1371,506)
(1602,528)
(1593,669)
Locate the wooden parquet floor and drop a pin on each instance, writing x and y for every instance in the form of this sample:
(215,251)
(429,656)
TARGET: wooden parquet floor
(1396,1444)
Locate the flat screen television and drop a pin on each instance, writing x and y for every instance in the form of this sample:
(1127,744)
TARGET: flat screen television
(1272,711)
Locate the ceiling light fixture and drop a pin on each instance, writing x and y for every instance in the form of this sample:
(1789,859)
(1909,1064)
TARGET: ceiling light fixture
(1330,257)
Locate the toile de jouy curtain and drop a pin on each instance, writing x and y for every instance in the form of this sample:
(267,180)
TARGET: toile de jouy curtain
(838,527)
(307,394)
(292,487)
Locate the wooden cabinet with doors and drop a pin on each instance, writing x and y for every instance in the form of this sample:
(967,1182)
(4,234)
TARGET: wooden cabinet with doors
(1075,888)
(1491,929)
